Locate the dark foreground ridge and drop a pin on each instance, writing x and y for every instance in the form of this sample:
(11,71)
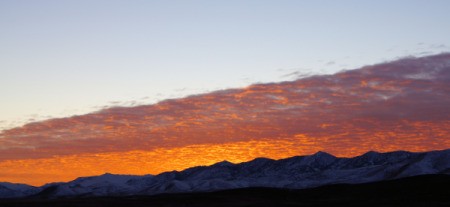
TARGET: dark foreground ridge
(423,190)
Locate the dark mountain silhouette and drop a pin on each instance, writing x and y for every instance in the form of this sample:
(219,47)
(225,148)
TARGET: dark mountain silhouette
(299,172)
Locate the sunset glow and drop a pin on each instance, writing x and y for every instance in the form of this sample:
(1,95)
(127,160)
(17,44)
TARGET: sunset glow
(401,105)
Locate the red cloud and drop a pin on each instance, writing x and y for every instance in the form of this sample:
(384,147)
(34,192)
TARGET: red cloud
(397,105)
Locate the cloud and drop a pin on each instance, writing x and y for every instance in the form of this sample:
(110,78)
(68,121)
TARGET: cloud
(390,106)
(387,98)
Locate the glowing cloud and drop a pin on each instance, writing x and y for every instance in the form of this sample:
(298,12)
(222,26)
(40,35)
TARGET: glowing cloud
(400,105)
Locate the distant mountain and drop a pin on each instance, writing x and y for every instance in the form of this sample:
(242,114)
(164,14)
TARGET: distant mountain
(298,172)
(8,190)
(416,191)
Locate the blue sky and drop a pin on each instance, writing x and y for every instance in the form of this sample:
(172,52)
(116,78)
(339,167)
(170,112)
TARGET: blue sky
(60,58)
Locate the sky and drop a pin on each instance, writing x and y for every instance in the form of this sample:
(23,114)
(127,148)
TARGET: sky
(63,58)
(399,105)
(139,87)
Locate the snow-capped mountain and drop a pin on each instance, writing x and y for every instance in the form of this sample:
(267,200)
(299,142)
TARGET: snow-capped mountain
(8,190)
(295,172)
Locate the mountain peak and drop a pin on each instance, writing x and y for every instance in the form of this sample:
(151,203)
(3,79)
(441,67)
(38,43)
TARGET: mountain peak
(223,163)
(322,154)
(371,153)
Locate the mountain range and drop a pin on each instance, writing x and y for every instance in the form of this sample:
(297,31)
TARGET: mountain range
(297,172)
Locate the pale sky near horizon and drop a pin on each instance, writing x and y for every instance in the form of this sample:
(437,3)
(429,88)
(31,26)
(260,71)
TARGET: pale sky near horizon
(61,58)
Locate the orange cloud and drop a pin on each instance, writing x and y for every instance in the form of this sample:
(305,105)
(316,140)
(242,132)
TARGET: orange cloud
(401,105)
(68,167)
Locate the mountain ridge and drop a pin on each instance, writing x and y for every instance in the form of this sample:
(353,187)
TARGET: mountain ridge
(296,172)
(421,190)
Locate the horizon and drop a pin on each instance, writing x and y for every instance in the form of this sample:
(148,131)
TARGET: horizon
(241,124)
(233,163)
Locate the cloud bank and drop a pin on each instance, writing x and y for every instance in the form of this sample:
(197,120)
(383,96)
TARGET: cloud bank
(399,105)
